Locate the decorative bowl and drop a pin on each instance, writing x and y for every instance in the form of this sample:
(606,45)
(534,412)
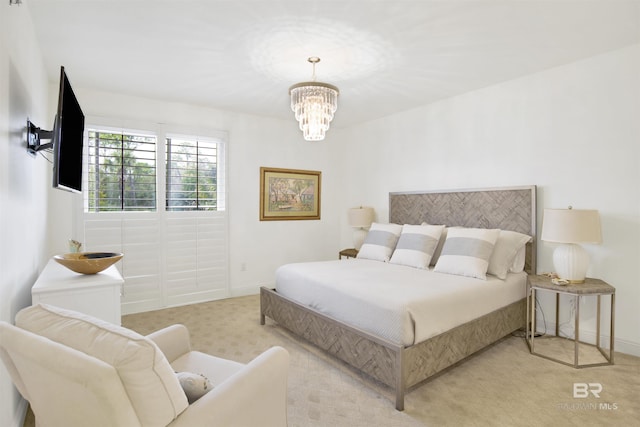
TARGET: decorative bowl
(88,262)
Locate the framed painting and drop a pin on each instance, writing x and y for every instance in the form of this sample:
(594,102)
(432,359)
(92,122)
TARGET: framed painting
(288,194)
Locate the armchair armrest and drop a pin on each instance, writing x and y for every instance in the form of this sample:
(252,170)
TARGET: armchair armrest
(173,341)
(254,396)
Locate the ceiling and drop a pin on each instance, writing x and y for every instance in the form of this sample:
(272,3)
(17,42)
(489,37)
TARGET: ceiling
(385,56)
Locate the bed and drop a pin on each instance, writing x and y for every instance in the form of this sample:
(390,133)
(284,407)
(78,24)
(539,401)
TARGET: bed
(398,359)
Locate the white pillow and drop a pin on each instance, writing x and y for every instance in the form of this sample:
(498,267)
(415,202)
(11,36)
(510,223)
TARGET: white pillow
(504,252)
(416,245)
(518,261)
(194,385)
(466,252)
(380,242)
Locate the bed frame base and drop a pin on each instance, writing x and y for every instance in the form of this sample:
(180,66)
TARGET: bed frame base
(397,366)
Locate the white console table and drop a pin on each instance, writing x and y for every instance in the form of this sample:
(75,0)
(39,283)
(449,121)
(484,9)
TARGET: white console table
(97,295)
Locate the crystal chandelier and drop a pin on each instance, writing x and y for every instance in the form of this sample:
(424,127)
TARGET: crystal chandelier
(314,104)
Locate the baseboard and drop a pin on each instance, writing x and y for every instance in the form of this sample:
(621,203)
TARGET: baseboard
(188,299)
(627,347)
(589,336)
(242,291)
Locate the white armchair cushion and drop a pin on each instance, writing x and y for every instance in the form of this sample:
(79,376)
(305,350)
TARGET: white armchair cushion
(64,386)
(149,380)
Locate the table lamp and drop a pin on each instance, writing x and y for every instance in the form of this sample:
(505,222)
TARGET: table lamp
(571,227)
(361,219)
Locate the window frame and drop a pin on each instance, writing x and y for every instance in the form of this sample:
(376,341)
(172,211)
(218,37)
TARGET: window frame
(161,132)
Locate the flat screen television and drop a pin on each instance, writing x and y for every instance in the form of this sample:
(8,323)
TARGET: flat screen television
(67,138)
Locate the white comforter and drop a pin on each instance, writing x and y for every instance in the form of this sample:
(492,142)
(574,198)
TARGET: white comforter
(401,304)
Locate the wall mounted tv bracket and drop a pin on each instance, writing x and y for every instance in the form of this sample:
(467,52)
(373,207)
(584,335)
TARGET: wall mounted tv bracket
(35,135)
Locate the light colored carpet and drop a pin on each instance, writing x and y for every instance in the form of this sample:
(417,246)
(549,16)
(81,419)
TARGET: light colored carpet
(503,385)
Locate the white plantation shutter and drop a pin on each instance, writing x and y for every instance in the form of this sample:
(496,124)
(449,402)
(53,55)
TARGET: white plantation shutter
(196,261)
(141,244)
(171,258)
(139,239)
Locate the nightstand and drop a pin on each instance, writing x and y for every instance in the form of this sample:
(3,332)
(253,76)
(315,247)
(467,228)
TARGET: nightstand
(590,288)
(348,253)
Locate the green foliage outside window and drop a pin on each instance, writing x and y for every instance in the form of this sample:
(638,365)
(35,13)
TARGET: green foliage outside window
(122,172)
(192,175)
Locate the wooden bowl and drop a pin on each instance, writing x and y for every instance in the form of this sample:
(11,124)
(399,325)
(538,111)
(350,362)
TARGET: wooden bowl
(88,262)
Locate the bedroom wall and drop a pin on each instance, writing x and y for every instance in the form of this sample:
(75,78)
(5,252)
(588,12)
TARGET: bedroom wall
(573,131)
(23,179)
(257,246)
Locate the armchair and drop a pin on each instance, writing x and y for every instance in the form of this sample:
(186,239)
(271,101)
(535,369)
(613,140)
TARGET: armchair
(76,370)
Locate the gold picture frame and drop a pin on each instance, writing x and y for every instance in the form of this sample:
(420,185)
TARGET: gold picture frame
(289,194)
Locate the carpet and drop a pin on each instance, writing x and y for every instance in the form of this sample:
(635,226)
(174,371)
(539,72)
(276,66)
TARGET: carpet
(503,385)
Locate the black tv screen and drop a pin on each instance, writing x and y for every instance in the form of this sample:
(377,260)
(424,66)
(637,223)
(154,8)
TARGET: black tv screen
(68,136)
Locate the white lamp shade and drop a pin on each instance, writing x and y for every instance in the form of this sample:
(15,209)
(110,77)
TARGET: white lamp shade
(361,217)
(571,226)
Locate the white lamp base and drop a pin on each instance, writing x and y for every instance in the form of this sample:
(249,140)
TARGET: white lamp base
(571,262)
(359,235)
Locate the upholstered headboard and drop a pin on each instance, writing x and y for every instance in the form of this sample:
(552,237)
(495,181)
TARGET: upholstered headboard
(508,208)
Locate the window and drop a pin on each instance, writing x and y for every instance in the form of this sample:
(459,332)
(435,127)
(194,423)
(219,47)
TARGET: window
(159,198)
(192,174)
(121,171)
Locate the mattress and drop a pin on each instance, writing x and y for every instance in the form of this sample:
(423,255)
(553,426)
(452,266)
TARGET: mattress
(400,304)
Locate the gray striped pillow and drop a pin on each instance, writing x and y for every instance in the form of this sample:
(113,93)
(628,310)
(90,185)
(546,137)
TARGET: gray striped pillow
(416,245)
(467,251)
(380,242)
